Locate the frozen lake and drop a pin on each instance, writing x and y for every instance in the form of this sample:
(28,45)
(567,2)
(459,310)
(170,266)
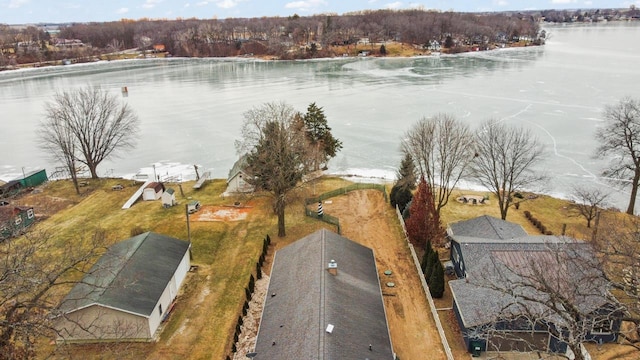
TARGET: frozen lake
(191,110)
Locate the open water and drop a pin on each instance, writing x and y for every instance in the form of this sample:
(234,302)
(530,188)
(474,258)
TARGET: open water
(191,110)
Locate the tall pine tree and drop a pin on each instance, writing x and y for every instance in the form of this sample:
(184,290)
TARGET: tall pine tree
(406,181)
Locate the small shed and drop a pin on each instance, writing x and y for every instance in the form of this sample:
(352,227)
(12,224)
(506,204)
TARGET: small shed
(34,178)
(153,191)
(169,198)
(14,220)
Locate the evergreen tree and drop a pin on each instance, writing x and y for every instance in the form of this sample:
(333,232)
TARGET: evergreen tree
(401,194)
(407,172)
(323,146)
(383,50)
(436,280)
(427,252)
(433,258)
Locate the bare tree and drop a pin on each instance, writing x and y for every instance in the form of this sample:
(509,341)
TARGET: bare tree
(100,125)
(618,246)
(58,141)
(558,288)
(441,148)
(277,152)
(588,203)
(505,160)
(620,143)
(32,268)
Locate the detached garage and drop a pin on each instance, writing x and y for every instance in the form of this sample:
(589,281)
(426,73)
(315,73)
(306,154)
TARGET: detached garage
(127,293)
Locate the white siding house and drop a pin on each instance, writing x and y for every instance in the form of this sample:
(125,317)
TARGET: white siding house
(127,293)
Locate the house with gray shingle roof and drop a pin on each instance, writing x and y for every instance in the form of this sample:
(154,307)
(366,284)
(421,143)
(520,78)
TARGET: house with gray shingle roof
(128,291)
(495,297)
(324,302)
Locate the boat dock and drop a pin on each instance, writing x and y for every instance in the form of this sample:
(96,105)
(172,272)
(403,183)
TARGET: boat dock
(206,176)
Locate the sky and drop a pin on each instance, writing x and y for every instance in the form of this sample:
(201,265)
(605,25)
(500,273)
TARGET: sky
(61,11)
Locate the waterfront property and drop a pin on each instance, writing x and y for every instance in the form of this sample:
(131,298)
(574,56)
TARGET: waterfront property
(506,278)
(324,302)
(127,293)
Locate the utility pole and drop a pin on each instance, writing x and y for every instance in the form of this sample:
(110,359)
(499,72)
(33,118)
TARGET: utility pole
(186,208)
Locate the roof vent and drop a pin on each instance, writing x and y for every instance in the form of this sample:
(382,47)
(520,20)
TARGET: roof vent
(333,267)
(329,328)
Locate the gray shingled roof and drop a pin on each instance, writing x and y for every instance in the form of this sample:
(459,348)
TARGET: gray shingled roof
(486,258)
(130,276)
(487,227)
(303,299)
(237,167)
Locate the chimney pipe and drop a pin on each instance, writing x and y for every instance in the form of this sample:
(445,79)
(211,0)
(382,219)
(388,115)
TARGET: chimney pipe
(333,267)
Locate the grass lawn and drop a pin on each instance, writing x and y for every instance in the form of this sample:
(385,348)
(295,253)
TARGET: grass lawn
(202,324)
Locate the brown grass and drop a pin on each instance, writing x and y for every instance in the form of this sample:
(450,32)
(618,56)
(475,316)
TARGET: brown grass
(201,325)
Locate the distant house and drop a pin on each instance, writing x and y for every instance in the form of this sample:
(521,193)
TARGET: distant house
(128,291)
(11,188)
(236,181)
(159,48)
(324,302)
(153,191)
(14,220)
(29,180)
(490,250)
(169,198)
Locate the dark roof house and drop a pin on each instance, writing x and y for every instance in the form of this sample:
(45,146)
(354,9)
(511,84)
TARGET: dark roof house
(324,302)
(502,255)
(127,292)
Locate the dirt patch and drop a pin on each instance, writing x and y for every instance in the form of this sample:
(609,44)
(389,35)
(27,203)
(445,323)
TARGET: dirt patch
(221,213)
(365,217)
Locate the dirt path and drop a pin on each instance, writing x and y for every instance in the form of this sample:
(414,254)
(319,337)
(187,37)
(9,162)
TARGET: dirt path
(364,217)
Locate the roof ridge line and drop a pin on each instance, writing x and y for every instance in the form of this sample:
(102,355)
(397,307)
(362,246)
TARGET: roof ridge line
(122,266)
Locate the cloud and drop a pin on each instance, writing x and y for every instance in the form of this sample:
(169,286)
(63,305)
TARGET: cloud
(306,5)
(223,4)
(149,4)
(394,5)
(501,3)
(123,10)
(563,1)
(14,4)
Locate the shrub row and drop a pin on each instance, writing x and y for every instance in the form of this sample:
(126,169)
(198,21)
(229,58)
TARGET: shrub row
(537,223)
(248,291)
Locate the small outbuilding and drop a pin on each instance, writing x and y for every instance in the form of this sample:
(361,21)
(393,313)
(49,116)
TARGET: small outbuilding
(153,191)
(34,178)
(236,181)
(14,220)
(169,198)
(127,293)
